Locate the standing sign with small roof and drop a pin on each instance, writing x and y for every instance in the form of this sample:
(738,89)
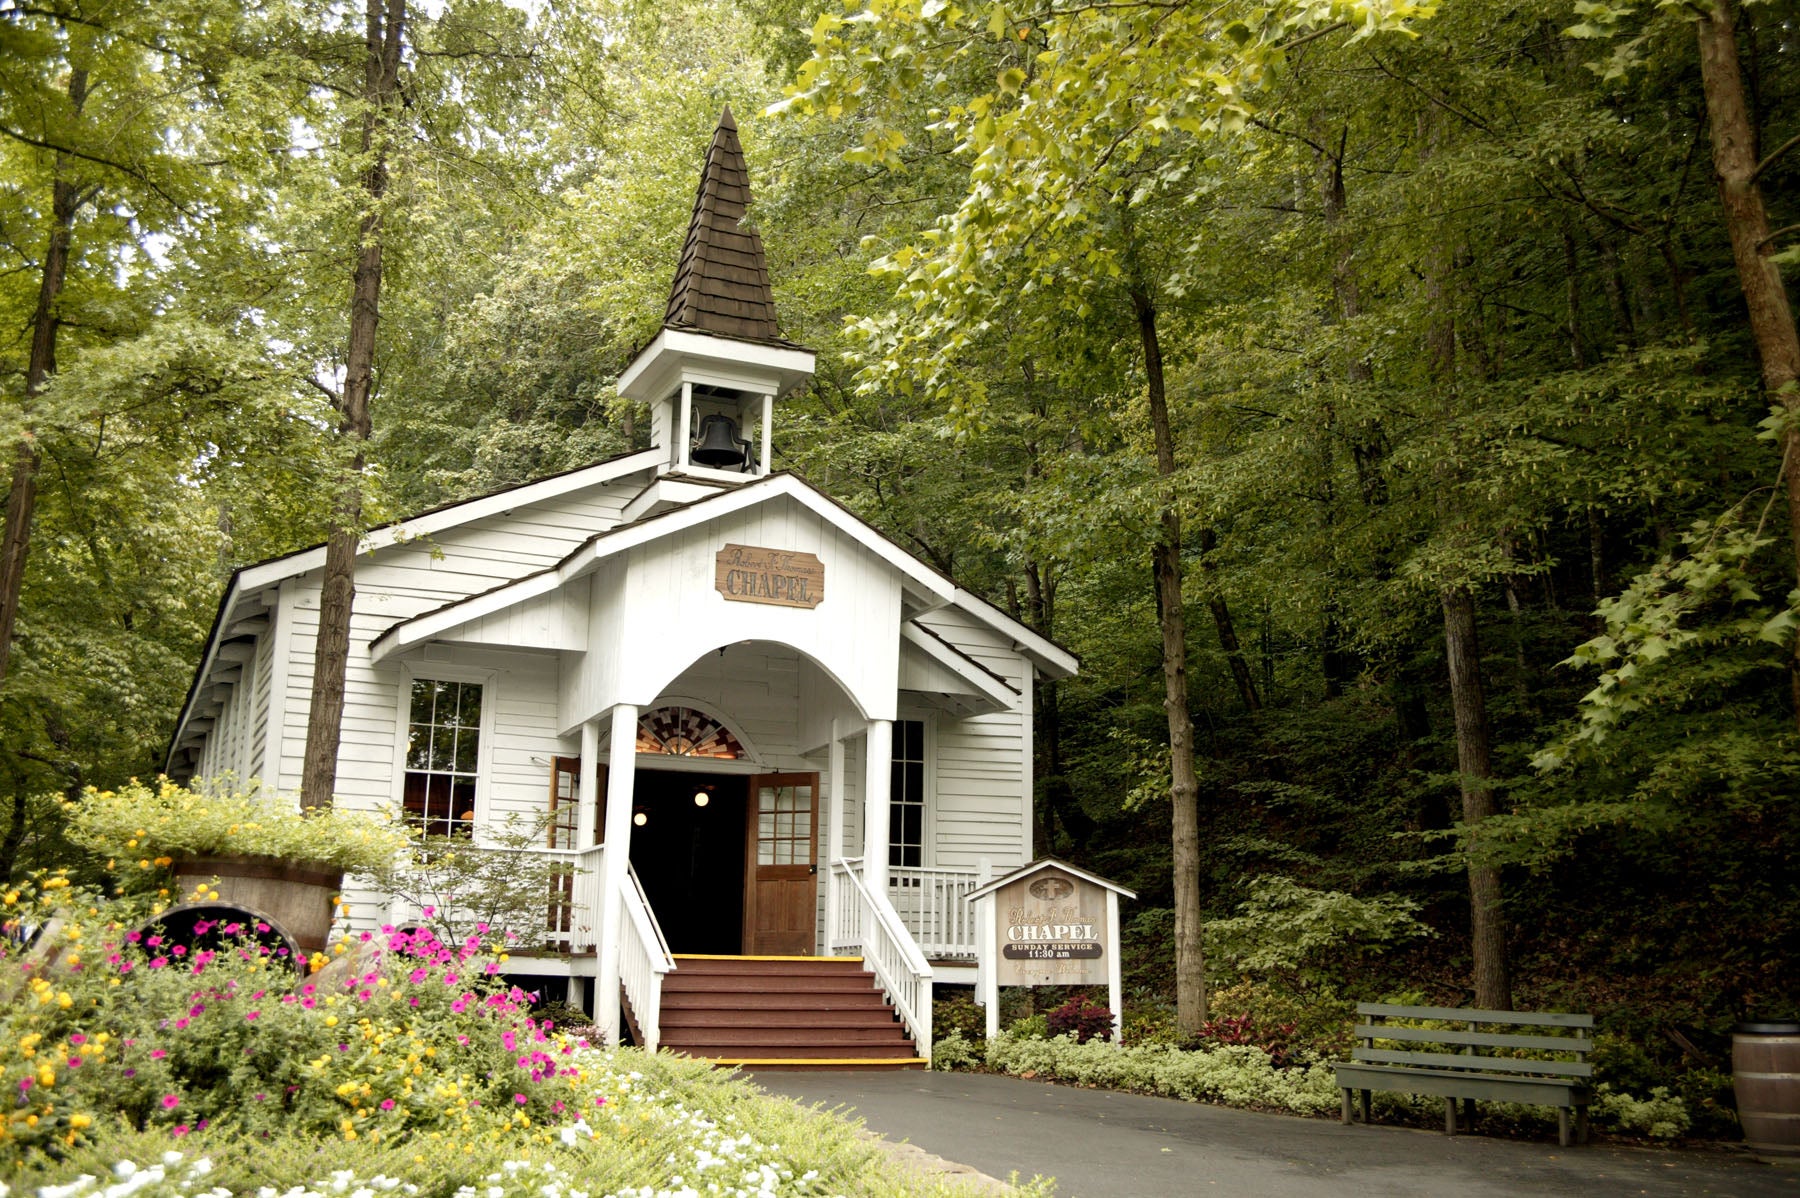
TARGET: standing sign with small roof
(1047,924)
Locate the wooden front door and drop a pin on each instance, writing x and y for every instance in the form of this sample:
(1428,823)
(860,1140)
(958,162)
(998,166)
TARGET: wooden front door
(781,865)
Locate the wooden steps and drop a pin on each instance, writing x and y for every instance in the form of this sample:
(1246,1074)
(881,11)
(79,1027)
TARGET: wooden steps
(782,1013)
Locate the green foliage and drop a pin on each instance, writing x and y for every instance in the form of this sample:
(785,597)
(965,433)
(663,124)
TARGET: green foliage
(1306,935)
(954,1052)
(498,888)
(956,1013)
(145,826)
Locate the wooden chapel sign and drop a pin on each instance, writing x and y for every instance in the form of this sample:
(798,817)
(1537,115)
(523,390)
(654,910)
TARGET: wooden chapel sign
(782,577)
(1047,924)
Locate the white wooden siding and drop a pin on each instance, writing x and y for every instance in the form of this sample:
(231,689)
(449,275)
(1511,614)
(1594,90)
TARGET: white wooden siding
(982,768)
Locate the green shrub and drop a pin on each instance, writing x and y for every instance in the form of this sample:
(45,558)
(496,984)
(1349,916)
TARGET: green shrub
(1031,1027)
(1235,1076)
(1660,1116)
(955,1052)
(958,1013)
(1150,1024)
(1322,1021)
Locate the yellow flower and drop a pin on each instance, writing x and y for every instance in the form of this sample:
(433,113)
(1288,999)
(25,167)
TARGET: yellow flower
(331,1021)
(143,863)
(64,1001)
(79,1120)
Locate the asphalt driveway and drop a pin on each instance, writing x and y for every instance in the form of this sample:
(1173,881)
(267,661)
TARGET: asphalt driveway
(1098,1144)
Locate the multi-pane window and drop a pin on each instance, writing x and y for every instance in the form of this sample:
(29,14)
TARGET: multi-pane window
(784,831)
(906,801)
(443,751)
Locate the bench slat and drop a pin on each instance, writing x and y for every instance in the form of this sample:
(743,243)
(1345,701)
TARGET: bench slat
(1485,1087)
(1471,1015)
(1371,1031)
(1457,1062)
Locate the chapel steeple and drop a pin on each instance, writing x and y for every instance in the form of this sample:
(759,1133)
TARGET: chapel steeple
(722,282)
(713,374)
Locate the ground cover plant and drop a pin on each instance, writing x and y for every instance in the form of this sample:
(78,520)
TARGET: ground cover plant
(133,1064)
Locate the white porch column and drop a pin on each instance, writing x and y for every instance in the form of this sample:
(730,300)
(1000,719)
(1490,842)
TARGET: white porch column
(834,834)
(685,434)
(622,766)
(878,754)
(588,796)
(768,425)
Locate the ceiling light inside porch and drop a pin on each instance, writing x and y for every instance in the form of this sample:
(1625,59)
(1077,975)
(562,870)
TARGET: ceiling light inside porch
(639,818)
(701,798)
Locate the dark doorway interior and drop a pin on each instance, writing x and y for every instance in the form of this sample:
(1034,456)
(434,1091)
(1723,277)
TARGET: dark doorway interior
(691,858)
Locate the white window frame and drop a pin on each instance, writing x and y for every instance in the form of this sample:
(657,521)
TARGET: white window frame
(484,756)
(928,789)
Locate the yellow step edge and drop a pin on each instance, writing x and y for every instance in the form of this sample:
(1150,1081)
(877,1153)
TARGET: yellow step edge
(814,1060)
(739,957)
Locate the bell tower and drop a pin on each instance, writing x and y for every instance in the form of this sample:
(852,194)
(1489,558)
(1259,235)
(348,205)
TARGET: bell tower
(714,372)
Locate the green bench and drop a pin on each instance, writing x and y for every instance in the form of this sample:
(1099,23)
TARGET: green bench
(1479,1055)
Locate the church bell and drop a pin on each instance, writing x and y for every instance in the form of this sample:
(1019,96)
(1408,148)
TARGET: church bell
(719,444)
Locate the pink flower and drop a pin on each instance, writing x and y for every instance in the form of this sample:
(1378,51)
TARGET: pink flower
(556,1107)
(181,1024)
(170,1102)
(417,976)
(180,950)
(157,1054)
(520,1099)
(74,1062)
(428,912)
(181,1129)
(387,1104)
(77,1039)
(158,962)
(261,926)
(250,1016)
(153,941)
(459,1006)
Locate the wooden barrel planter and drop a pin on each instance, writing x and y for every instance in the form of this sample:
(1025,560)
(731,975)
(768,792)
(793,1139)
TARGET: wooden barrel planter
(1765,1074)
(295,897)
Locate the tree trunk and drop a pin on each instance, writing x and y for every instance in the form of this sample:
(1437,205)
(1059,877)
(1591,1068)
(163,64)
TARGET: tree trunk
(1184,790)
(331,651)
(1747,222)
(66,198)
(1493,990)
(1221,614)
(1468,702)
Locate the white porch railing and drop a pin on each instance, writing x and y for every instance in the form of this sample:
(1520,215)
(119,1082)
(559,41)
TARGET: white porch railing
(933,904)
(868,923)
(644,960)
(584,901)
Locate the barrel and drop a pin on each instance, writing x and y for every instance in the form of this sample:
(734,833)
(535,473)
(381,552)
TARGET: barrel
(296,897)
(1765,1073)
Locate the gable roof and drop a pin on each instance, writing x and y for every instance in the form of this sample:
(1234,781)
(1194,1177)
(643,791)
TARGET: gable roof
(248,581)
(923,580)
(722,282)
(1041,864)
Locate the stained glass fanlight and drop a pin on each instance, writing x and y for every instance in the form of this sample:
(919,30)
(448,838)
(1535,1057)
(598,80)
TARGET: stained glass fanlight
(684,732)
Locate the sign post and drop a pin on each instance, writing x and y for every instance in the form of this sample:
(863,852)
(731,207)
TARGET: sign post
(1048,924)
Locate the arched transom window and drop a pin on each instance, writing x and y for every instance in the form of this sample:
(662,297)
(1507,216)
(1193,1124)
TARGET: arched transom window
(684,732)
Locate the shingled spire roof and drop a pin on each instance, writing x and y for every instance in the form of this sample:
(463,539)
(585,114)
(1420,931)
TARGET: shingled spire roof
(722,284)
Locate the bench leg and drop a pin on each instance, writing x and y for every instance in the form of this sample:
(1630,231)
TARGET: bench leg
(1562,1126)
(1449,1116)
(1468,1113)
(1349,1108)
(1367,1117)
(1581,1125)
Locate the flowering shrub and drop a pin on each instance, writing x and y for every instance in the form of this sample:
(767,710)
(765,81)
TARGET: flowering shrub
(671,1127)
(1082,1018)
(139,828)
(121,1025)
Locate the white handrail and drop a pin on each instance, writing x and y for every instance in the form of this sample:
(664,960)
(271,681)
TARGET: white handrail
(889,951)
(644,960)
(584,900)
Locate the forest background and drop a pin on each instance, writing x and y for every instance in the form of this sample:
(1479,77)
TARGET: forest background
(1376,378)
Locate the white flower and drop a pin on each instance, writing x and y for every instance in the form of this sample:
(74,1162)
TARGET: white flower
(67,1191)
(362,1192)
(171,1158)
(200,1168)
(125,1168)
